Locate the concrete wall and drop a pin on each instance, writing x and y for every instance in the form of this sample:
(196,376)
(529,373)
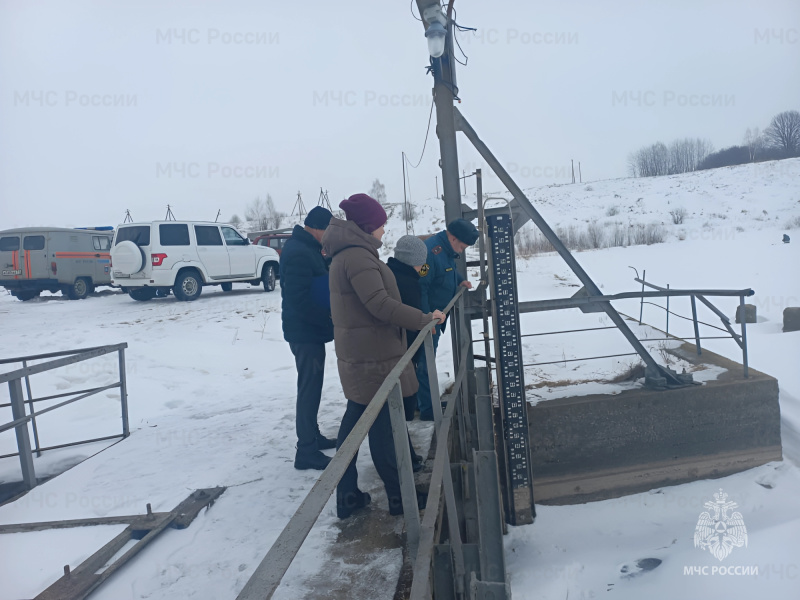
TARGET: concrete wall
(604,446)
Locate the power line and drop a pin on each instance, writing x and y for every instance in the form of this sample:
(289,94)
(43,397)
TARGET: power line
(427,132)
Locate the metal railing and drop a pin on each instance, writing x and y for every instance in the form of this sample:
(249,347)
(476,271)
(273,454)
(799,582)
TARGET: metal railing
(587,302)
(694,295)
(21,418)
(419,534)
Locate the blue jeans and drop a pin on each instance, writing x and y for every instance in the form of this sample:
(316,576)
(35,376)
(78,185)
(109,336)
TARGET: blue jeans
(424,393)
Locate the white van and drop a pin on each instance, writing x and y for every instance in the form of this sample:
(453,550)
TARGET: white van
(74,261)
(150,259)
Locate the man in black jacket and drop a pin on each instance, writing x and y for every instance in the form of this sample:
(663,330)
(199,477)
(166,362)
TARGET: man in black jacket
(307,326)
(410,254)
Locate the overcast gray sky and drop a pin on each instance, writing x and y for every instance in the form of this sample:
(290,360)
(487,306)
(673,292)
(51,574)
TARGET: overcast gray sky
(108,106)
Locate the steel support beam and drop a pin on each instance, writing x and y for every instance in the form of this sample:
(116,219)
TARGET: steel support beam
(404,470)
(23,437)
(591,288)
(490,523)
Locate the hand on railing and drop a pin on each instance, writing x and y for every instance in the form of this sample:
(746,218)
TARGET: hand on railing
(439,317)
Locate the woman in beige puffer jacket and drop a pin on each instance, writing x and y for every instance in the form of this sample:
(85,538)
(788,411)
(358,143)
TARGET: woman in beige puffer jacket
(369,323)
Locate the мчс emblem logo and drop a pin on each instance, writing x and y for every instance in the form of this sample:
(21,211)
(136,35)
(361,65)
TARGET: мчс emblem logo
(717,531)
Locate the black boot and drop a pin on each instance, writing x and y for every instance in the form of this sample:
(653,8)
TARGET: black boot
(396,503)
(349,503)
(417,463)
(311,460)
(324,443)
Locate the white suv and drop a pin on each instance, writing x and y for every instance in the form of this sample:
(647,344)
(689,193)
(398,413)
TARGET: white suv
(150,259)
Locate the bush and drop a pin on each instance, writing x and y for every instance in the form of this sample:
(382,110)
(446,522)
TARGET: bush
(793,223)
(612,211)
(530,241)
(678,215)
(595,236)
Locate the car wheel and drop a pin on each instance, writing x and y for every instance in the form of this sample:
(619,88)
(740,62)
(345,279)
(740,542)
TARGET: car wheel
(226,287)
(27,295)
(268,278)
(80,289)
(188,286)
(142,294)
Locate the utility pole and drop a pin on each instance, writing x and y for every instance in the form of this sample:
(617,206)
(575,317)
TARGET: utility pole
(445,91)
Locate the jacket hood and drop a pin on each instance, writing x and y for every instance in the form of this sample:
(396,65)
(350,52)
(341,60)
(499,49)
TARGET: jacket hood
(346,234)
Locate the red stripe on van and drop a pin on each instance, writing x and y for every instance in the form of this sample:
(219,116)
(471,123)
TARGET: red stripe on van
(15,261)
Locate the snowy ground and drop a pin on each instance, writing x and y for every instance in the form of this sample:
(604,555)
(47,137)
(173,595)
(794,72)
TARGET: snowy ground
(211,391)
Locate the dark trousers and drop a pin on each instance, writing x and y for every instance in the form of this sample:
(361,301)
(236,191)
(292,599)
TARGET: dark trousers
(424,394)
(381,446)
(410,406)
(310,362)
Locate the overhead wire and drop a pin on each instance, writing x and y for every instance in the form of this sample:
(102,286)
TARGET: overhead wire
(407,177)
(411,8)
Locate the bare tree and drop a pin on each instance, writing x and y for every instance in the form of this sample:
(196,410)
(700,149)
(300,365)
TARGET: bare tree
(263,214)
(378,191)
(235,221)
(256,213)
(652,160)
(682,156)
(274,216)
(633,164)
(754,142)
(784,132)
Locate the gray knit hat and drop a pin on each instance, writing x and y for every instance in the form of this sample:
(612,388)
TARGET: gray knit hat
(411,250)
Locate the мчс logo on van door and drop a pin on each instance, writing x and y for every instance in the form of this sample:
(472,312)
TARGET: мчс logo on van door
(12,272)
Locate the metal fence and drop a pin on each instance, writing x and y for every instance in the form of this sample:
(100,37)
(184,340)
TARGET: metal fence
(588,304)
(18,403)
(420,534)
(694,295)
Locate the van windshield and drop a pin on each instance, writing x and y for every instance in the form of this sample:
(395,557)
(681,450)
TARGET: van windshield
(138,234)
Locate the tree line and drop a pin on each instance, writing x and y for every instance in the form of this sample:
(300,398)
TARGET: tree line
(781,139)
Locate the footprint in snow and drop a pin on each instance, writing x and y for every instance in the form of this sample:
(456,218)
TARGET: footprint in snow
(643,565)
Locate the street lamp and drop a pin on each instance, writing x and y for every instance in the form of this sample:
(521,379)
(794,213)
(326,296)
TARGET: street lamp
(436,34)
(436,31)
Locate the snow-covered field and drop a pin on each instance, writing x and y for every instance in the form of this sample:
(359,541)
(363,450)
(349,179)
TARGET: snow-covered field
(211,394)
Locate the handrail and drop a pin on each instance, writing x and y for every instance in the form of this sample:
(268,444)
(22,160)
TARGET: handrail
(71,358)
(740,339)
(420,586)
(4,361)
(20,418)
(33,415)
(270,571)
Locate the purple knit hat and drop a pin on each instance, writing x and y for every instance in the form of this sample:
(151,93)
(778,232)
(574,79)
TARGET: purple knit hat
(364,211)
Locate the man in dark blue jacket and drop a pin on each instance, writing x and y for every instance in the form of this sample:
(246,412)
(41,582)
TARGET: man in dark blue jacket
(307,326)
(440,281)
